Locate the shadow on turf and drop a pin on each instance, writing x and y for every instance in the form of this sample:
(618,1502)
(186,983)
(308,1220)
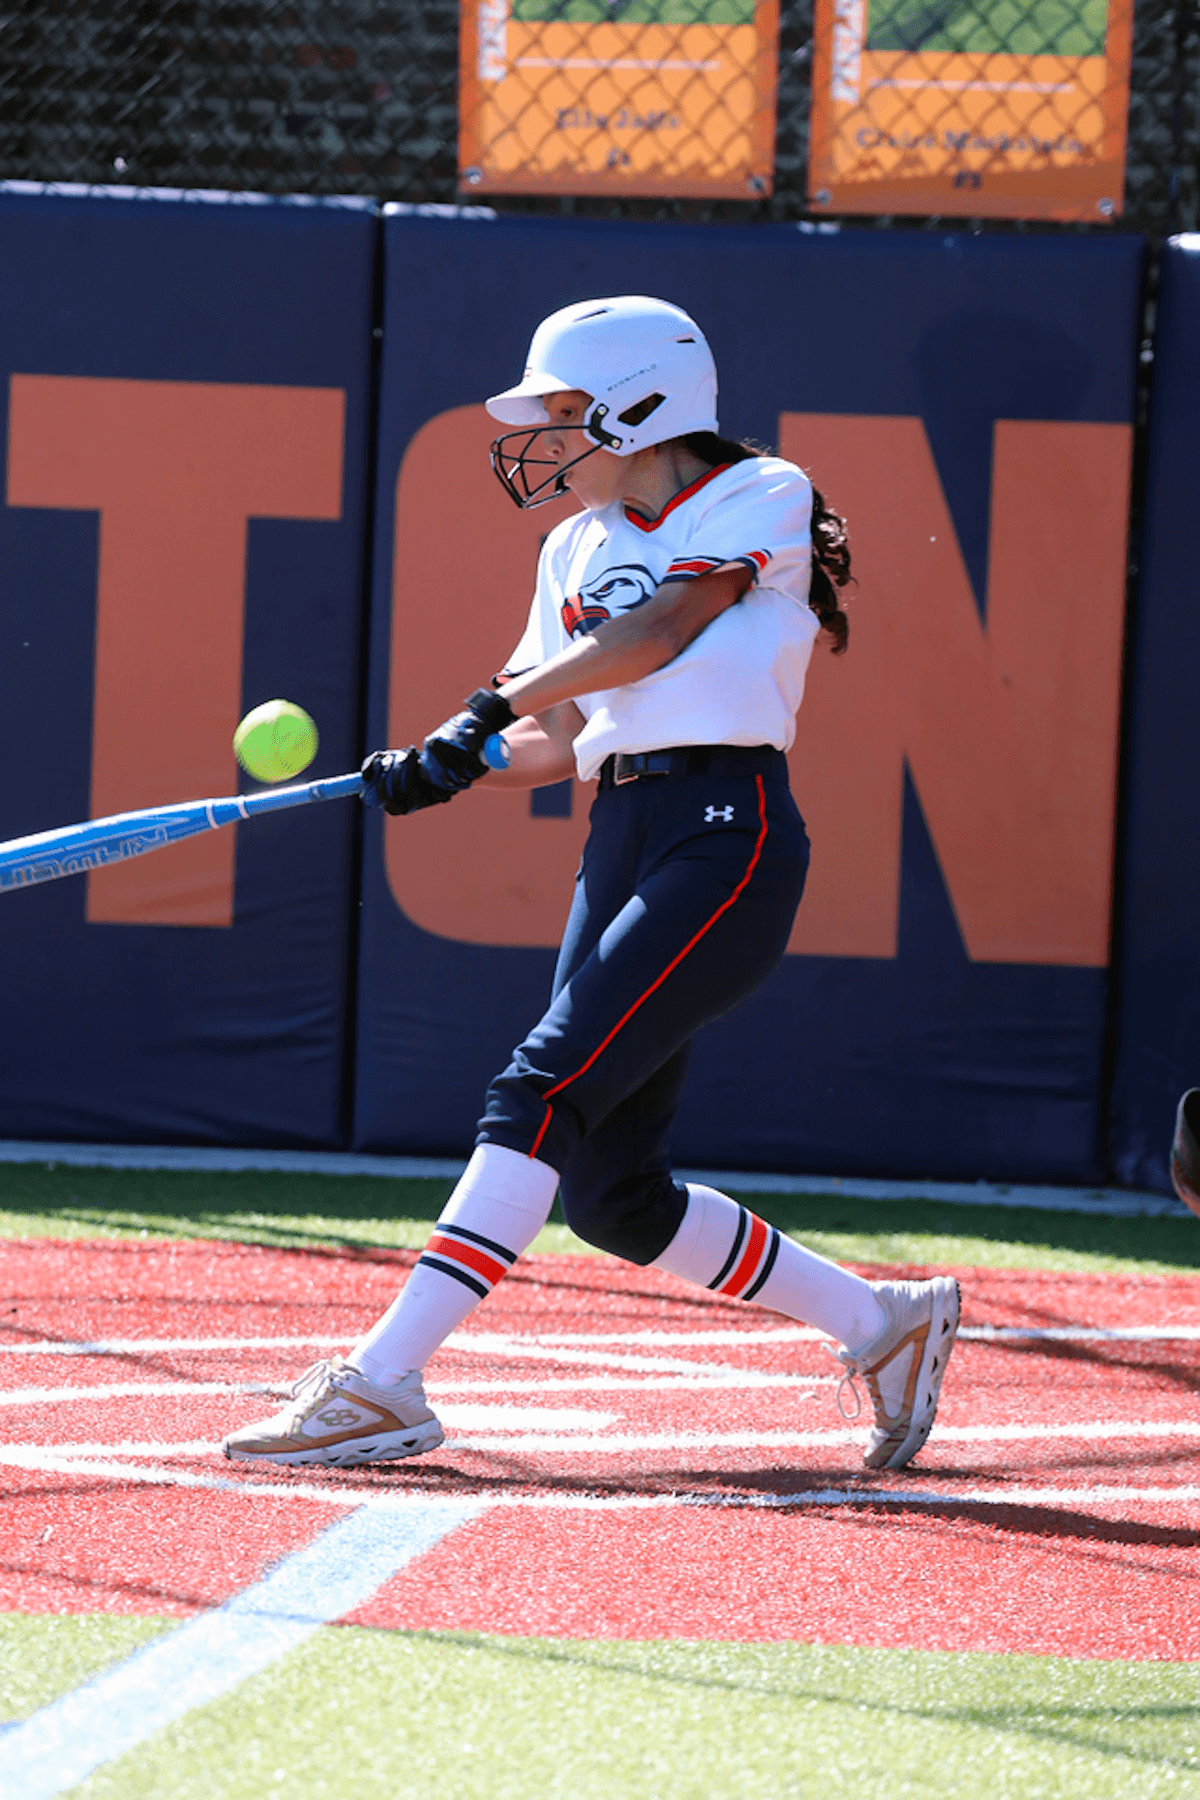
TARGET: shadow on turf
(783,1491)
(1045,1720)
(1130,1358)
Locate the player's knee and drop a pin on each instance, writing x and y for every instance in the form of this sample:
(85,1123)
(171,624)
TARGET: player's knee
(634,1218)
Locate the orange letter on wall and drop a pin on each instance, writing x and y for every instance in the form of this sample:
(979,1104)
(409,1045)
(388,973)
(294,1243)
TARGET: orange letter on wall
(175,470)
(1010,729)
(482,870)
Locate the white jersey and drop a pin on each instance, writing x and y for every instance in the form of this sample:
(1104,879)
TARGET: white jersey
(741,680)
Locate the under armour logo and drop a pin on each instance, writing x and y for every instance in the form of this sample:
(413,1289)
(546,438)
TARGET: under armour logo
(717,812)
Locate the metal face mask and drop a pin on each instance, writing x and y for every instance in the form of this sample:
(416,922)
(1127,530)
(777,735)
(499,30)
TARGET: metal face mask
(518,468)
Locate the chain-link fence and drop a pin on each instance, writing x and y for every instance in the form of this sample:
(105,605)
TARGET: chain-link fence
(361,98)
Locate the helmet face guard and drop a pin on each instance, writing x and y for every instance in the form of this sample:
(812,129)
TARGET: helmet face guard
(514,459)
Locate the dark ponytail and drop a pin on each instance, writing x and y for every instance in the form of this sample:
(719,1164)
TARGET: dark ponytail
(715,450)
(830,570)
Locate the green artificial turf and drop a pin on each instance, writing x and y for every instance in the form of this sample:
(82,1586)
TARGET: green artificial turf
(987,27)
(384,1715)
(43,1655)
(328,1212)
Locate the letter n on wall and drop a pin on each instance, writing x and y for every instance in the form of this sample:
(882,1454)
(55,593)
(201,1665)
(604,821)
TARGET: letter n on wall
(1009,727)
(175,470)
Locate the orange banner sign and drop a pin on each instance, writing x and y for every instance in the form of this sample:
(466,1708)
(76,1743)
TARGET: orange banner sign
(1008,109)
(618,97)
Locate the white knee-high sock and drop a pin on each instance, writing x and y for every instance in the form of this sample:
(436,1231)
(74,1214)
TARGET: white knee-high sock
(722,1246)
(500,1204)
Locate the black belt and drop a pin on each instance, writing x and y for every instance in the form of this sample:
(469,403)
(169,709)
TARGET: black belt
(692,759)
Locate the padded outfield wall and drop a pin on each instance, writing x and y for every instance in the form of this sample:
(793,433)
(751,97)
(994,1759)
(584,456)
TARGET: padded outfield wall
(185,389)
(186,530)
(967,402)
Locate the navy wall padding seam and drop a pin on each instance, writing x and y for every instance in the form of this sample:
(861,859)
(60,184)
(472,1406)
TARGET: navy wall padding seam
(1158,1013)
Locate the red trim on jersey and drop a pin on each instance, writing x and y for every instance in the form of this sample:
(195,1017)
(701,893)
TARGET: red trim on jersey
(454,1250)
(686,493)
(701,565)
(673,964)
(748,1261)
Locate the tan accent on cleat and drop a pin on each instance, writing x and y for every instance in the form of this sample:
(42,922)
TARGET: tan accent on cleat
(338,1419)
(904,1366)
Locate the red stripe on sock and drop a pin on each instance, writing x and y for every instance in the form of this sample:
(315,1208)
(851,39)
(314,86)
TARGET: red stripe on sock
(454,1250)
(672,965)
(750,1258)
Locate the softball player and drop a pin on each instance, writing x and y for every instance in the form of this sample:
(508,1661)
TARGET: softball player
(664,659)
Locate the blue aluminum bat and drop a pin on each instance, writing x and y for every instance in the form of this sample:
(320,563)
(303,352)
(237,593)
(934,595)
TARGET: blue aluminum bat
(74,849)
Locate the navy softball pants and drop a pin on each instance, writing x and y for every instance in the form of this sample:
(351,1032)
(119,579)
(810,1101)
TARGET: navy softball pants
(683,905)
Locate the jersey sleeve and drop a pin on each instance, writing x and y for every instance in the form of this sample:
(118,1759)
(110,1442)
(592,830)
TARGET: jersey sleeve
(762,521)
(529,653)
(543,636)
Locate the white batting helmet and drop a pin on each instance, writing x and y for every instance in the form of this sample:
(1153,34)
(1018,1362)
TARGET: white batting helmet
(645,364)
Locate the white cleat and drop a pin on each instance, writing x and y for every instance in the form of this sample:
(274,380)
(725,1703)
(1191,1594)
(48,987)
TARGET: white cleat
(904,1365)
(338,1418)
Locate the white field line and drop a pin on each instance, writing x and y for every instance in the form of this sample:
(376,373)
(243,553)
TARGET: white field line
(329,1494)
(133,1390)
(653,1337)
(705,1377)
(802,1333)
(530,1420)
(485,1417)
(600,1384)
(518,1349)
(548,1443)
(110,1715)
(156,1346)
(540,1344)
(524,1350)
(509,1437)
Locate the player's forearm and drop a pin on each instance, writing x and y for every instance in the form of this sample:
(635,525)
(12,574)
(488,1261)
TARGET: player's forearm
(541,750)
(616,655)
(628,648)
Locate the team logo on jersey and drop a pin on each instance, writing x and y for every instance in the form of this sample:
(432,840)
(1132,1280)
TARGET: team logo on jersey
(618,589)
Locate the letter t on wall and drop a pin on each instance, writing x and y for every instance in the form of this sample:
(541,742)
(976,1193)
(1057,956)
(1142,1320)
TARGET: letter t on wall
(175,470)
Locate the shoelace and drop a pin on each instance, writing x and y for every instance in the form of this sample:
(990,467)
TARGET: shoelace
(848,1381)
(312,1377)
(853,1367)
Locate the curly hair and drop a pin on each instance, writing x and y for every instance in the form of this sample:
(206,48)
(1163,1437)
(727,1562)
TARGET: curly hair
(830,539)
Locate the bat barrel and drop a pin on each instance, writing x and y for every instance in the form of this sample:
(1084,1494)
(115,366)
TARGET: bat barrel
(73,850)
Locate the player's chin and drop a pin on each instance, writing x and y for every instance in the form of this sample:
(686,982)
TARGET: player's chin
(583,490)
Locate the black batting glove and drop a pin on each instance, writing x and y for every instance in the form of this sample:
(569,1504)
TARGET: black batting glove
(396,781)
(453,754)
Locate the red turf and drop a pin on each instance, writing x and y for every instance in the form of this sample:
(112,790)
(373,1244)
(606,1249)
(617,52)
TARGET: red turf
(1085,1577)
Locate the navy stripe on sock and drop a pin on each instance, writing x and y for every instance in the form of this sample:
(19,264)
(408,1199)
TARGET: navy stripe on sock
(449,1268)
(768,1265)
(475,1237)
(739,1239)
